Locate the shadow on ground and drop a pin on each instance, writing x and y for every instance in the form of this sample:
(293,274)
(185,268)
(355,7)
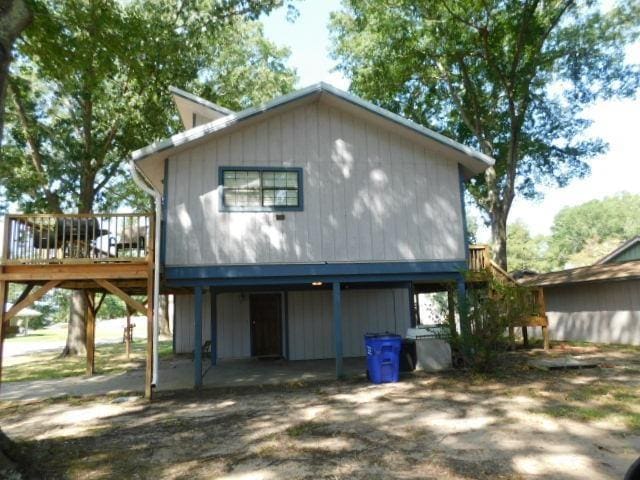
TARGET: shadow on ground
(518,423)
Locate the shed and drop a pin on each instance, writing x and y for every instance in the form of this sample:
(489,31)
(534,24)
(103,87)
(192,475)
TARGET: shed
(599,303)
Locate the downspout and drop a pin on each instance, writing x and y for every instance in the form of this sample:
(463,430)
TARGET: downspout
(140,182)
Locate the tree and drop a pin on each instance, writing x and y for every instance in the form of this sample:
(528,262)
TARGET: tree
(525,252)
(509,78)
(90,84)
(582,234)
(15,16)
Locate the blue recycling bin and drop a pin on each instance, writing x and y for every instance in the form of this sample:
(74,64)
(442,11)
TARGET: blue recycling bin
(383,356)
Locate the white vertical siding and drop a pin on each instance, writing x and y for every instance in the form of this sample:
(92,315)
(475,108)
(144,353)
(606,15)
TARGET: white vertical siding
(363,311)
(607,312)
(369,195)
(310,321)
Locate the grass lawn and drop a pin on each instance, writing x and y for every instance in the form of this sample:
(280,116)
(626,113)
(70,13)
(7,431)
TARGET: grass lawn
(109,359)
(520,422)
(51,334)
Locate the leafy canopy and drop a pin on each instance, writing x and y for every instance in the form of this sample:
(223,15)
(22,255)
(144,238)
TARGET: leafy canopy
(90,84)
(509,78)
(582,234)
(525,251)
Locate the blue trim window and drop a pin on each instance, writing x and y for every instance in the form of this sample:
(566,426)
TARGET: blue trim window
(260,189)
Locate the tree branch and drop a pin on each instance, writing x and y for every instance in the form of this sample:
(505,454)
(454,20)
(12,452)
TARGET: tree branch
(107,176)
(36,156)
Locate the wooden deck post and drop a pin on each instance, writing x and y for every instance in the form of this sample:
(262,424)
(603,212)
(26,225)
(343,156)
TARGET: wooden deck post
(127,332)
(148,383)
(337,328)
(90,332)
(197,338)
(542,306)
(4,286)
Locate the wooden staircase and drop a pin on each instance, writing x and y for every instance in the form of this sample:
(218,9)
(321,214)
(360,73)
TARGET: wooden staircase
(482,269)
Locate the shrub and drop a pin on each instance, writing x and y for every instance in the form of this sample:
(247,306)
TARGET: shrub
(489,311)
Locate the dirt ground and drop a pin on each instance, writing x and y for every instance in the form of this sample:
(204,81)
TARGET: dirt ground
(520,423)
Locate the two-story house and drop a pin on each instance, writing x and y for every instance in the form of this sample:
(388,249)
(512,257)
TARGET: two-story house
(293,228)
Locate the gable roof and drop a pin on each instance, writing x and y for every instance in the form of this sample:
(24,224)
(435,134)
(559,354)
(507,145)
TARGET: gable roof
(473,162)
(619,251)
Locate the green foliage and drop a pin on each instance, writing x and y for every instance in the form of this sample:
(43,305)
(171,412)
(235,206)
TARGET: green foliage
(112,307)
(524,251)
(510,78)
(90,84)
(490,311)
(585,233)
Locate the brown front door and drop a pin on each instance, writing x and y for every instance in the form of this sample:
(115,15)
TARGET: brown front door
(266,324)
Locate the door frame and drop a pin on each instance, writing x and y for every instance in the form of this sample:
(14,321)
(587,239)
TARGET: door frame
(281,322)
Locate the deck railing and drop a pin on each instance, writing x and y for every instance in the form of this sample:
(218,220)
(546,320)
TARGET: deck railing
(479,258)
(77,238)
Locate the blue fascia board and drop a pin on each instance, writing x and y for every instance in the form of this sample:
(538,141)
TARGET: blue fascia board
(295,274)
(312,269)
(291,281)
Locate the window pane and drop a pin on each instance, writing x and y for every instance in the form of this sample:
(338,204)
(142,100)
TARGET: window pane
(253,199)
(292,179)
(281,198)
(292,198)
(268,179)
(253,179)
(229,179)
(281,179)
(230,198)
(268,198)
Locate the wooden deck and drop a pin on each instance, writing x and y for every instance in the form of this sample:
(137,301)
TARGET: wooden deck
(97,254)
(482,268)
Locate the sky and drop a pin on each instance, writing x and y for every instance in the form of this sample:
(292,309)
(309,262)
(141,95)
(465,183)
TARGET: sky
(617,122)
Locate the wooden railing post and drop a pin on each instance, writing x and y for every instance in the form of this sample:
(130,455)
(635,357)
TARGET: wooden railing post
(4,288)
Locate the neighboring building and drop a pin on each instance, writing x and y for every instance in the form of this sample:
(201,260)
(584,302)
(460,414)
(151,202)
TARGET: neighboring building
(293,228)
(626,252)
(599,303)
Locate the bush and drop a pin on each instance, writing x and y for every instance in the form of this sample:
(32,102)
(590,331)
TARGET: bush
(490,310)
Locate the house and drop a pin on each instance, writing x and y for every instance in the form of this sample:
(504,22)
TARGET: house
(629,250)
(598,303)
(292,228)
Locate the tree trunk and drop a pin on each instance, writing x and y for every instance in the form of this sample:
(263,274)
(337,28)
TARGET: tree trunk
(15,16)
(163,312)
(499,239)
(77,334)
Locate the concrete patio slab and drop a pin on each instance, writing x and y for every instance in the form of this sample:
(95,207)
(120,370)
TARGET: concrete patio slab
(178,374)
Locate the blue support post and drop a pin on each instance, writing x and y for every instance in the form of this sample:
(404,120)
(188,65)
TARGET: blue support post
(197,337)
(286,324)
(463,308)
(214,326)
(337,327)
